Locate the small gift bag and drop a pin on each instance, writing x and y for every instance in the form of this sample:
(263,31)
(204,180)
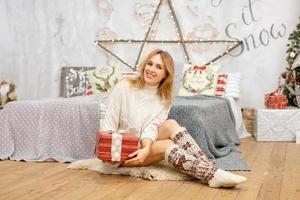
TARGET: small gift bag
(276,100)
(113,146)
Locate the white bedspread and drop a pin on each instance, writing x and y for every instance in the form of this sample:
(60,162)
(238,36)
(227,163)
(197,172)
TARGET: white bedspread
(61,129)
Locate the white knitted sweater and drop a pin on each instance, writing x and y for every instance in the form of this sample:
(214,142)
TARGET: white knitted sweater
(139,111)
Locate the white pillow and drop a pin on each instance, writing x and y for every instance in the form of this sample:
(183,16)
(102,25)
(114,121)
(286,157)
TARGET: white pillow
(233,85)
(103,79)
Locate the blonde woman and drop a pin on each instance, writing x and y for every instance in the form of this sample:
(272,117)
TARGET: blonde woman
(141,106)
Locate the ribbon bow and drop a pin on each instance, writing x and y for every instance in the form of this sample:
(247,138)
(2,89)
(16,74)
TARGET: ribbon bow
(199,69)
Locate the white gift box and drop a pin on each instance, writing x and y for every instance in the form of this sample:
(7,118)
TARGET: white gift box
(278,125)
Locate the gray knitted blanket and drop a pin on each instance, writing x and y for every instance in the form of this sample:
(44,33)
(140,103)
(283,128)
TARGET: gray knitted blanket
(211,122)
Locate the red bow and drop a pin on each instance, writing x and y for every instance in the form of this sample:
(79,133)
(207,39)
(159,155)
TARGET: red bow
(200,69)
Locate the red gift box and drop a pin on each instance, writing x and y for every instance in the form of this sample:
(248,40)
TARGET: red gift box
(276,100)
(112,146)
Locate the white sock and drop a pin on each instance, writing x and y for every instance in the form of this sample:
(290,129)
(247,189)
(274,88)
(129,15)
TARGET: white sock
(225,179)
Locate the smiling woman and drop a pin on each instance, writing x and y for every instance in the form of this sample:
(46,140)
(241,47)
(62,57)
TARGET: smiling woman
(154,71)
(141,106)
(157,69)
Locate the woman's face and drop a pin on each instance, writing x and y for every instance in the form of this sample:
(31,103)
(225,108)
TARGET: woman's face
(154,71)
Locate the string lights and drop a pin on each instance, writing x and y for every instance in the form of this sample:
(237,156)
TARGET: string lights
(181,41)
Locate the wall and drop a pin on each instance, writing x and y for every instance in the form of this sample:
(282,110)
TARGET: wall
(38,37)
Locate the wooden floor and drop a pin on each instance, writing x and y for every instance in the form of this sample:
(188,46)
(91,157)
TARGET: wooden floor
(275,175)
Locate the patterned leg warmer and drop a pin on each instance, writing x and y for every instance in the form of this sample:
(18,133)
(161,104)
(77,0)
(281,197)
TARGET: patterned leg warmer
(185,141)
(189,164)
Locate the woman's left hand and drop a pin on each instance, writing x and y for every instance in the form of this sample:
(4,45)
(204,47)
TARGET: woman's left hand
(138,157)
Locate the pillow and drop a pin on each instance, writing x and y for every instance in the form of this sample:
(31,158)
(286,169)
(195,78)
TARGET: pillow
(221,84)
(198,80)
(103,79)
(232,88)
(74,80)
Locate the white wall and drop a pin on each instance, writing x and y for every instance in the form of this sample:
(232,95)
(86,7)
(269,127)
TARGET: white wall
(39,36)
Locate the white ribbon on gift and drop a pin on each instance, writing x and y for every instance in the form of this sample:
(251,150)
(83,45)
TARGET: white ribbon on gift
(116,146)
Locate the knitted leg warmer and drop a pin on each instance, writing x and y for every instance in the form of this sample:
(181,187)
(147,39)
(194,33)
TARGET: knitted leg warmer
(184,140)
(189,164)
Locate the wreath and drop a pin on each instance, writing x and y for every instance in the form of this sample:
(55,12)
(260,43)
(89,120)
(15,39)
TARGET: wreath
(193,77)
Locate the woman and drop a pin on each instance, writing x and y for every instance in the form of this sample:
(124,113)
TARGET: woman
(141,106)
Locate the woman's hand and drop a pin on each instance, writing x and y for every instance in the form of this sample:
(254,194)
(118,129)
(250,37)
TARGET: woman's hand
(138,157)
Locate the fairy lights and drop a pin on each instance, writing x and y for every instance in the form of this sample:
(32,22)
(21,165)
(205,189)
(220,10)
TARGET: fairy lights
(181,41)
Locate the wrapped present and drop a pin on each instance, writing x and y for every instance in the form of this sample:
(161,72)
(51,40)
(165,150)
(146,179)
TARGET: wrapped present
(277,125)
(112,146)
(276,100)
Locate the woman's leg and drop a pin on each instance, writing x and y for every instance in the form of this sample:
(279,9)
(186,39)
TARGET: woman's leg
(187,157)
(171,129)
(179,156)
(170,132)
(157,151)
(189,164)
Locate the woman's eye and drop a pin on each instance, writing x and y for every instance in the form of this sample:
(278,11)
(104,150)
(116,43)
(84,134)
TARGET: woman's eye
(150,63)
(158,66)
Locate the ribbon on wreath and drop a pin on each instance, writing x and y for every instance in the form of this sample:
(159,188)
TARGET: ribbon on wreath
(199,69)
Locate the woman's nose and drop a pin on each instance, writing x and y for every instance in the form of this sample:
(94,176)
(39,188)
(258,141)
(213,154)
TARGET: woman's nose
(152,67)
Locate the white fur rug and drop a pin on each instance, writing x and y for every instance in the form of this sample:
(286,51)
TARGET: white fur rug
(159,171)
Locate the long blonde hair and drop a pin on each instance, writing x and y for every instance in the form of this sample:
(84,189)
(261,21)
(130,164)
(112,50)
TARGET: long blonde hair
(166,87)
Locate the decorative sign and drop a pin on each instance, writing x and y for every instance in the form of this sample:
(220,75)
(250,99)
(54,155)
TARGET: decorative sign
(74,81)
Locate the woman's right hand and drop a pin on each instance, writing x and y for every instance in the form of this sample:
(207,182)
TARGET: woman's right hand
(138,157)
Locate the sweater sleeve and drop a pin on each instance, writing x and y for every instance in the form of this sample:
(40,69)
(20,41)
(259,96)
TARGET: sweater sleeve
(113,109)
(151,130)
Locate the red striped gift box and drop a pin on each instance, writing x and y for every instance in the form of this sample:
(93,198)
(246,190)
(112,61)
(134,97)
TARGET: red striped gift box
(276,100)
(105,146)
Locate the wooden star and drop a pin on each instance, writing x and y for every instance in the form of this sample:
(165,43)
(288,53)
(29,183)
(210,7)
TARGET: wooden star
(181,41)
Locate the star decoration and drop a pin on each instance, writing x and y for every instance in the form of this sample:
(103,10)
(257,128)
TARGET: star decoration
(181,40)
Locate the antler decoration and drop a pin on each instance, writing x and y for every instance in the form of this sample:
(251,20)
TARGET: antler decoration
(106,85)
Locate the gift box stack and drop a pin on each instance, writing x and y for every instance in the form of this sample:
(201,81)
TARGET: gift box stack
(276,100)
(112,146)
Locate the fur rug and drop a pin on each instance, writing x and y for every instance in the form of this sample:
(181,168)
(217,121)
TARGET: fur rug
(160,171)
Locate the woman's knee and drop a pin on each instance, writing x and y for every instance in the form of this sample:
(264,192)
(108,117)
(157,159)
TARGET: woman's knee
(169,125)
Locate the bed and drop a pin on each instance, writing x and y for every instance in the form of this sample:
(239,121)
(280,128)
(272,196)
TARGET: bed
(64,129)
